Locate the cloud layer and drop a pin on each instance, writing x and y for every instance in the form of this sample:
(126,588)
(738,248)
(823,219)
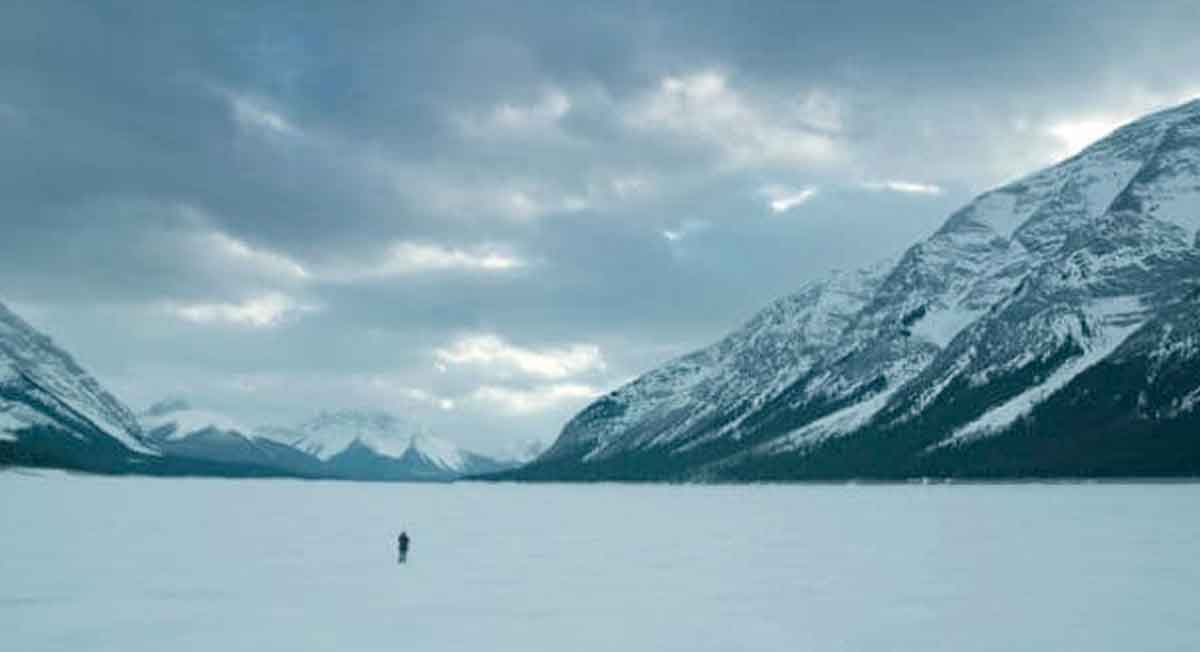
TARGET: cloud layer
(483,215)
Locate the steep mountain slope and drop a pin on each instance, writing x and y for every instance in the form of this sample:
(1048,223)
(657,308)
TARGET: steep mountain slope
(706,395)
(180,431)
(1028,296)
(53,413)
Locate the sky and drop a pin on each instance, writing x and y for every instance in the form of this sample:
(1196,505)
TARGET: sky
(480,216)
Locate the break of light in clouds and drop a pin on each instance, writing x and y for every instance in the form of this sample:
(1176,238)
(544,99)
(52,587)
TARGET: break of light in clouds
(406,258)
(494,354)
(526,401)
(782,199)
(510,118)
(1078,131)
(906,187)
(685,229)
(237,252)
(482,217)
(264,311)
(399,259)
(253,115)
(520,200)
(1074,136)
(422,396)
(703,107)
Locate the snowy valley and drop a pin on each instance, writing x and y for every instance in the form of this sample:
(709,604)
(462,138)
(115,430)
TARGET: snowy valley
(1051,327)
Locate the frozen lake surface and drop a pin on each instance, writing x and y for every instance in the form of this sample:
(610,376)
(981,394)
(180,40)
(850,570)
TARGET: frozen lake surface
(129,564)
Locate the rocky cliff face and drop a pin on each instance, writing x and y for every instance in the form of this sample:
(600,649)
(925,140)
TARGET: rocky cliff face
(706,394)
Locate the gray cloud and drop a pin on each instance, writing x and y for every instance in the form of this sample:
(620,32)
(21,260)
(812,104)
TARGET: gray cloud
(275,208)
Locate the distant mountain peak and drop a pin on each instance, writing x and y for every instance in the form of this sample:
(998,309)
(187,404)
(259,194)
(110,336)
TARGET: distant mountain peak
(175,418)
(332,431)
(437,451)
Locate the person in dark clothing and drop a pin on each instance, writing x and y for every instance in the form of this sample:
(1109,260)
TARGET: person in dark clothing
(402,546)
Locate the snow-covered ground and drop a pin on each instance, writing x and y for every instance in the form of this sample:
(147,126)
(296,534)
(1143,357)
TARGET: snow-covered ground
(128,564)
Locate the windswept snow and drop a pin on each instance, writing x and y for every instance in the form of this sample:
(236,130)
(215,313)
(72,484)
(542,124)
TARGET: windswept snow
(8,425)
(999,212)
(1119,317)
(132,565)
(841,422)
(439,452)
(1186,404)
(37,371)
(745,370)
(331,433)
(941,326)
(1170,188)
(15,417)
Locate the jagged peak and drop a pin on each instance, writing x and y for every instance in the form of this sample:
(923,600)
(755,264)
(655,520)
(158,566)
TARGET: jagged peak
(440,452)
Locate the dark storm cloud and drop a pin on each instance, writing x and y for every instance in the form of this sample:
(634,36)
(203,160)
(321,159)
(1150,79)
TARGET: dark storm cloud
(281,206)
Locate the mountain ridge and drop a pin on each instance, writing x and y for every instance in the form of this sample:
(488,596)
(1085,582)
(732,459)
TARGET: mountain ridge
(52,412)
(1020,293)
(342,444)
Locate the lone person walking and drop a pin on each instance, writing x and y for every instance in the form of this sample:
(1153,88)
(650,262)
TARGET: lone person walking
(402,548)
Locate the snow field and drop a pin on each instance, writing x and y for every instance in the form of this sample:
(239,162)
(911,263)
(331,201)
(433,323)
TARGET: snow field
(148,564)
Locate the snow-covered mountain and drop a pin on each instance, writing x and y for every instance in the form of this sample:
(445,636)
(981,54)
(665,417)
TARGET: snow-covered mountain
(178,430)
(425,458)
(174,419)
(438,458)
(53,413)
(377,445)
(991,348)
(346,444)
(705,396)
(332,432)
